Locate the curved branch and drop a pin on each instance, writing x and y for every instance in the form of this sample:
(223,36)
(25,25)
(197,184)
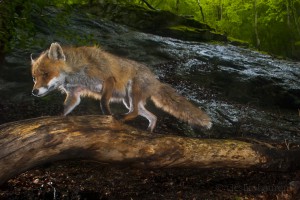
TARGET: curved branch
(148,5)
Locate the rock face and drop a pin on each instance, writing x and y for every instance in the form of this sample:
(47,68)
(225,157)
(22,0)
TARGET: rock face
(158,22)
(248,94)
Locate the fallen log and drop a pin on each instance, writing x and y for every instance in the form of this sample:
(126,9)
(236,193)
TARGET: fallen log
(30,143)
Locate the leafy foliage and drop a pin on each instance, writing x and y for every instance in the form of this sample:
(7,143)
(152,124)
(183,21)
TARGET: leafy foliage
(16,22)
(269,25)
(16,25)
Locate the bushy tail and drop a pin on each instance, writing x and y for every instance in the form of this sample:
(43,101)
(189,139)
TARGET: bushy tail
(170,101)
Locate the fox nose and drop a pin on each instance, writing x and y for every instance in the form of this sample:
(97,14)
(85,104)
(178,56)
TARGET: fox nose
(35,92)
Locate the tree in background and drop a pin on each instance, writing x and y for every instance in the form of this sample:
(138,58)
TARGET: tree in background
(268,25)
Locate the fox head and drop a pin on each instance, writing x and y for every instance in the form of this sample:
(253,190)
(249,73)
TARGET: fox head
(47,70)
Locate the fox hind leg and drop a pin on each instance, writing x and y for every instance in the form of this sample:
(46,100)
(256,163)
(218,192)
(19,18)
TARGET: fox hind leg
(107,91)
(133,97)
(135,102)
(139,110)
(148,115)
(127,101)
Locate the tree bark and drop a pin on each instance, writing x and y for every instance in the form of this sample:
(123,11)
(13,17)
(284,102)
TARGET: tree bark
(177,6)
(30,143)
(201,10)
(255,25)
(220,10)
(288,14)
(295,16)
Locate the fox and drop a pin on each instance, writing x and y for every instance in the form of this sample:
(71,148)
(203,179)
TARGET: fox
(90,71)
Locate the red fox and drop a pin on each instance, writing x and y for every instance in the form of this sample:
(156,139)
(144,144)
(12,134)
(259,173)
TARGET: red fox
(93,72)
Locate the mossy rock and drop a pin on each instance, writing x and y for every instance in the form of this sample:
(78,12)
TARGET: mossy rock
(196,34)
(238,42)
(158,22)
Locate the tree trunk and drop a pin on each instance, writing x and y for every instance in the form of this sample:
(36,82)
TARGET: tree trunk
(294,13)
(201,10)
(288,14)
(255,25)
(177,6)
(220,10)
(29,143)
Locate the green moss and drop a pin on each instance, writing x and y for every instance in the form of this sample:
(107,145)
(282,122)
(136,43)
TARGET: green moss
(215,42)
(235,40)
(183,28)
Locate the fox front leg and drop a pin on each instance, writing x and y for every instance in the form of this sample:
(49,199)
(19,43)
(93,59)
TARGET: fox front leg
(72,100)
(107,91)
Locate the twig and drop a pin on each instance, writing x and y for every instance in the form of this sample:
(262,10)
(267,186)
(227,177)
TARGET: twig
(149,5)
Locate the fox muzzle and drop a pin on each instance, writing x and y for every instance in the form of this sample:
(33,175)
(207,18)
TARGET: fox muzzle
(35,92)
(42,91)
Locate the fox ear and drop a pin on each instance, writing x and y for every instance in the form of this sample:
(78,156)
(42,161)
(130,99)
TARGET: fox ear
(55,52)
(32,61)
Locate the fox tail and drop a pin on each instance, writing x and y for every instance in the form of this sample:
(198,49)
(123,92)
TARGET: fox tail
(170,101)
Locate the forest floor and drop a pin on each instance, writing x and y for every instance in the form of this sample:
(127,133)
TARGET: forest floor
(90,180)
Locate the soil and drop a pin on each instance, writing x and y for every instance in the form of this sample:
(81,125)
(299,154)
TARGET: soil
(90,180)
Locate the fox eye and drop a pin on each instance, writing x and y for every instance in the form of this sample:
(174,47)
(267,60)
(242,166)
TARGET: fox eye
(33,78)
(45,74)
